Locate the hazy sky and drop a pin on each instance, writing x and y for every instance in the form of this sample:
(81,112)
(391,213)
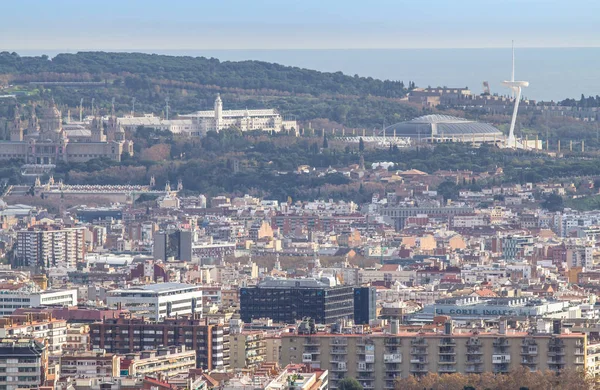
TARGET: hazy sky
(278,24)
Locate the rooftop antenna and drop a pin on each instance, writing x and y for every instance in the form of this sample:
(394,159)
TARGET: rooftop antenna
(515,87)
(512,75)
(167,106)
(133,106)
(81,110)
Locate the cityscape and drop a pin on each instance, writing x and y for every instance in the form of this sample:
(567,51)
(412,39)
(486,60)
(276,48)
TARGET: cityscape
(183,222)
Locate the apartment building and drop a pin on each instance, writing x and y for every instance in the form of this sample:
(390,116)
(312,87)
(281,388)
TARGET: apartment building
(90,364)
(37,325)
(129,335)
(78,338)
(23,363)
(158,301)
(248,350)
(164,362)
(376,359)
(50,246)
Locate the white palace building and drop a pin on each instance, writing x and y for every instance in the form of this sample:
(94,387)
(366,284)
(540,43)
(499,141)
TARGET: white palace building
(200,122)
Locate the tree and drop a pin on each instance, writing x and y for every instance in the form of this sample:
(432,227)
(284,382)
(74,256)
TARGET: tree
(553,202)
(325,142)
(349,384)
(361,145)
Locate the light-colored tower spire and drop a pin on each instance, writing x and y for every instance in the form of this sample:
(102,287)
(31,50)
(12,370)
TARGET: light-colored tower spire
(516,87)
(218,113)
(512,76)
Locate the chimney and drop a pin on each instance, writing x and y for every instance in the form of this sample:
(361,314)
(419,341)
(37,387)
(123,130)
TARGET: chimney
(502,327)
(395,326)
(448,327)
(556,327)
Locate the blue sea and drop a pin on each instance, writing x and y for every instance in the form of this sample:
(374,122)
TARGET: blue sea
(553,73)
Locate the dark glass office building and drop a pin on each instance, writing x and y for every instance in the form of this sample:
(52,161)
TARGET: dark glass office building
(365,305)
(176,244)
(289,300)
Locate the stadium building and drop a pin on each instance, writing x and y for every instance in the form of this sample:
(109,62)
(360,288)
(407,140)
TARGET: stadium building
(445,128)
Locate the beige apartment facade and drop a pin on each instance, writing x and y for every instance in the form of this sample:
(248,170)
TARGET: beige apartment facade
(377,359)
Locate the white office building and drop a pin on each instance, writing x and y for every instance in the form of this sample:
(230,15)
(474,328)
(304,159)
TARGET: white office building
(198,123)
(31,296)
(158,301)
(245,120)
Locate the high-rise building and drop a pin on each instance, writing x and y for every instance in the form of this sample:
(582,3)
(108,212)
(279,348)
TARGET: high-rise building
(129,335)
(50,246)
(23,364)
(377,358)
(365,305)
(289,300)
(176,244)
(158,301)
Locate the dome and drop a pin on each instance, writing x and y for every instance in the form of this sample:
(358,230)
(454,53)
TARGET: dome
(437,125)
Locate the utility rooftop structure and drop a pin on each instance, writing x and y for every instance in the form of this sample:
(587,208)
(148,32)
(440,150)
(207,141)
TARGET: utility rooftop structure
(444,128)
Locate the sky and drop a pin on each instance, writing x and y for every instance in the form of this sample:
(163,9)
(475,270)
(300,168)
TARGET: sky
(144,25)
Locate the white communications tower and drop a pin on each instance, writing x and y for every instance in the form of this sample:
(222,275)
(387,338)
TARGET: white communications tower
(516,87)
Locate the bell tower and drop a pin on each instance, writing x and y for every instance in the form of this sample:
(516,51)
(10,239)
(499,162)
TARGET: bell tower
(98,130)
(218,113)
(16,131)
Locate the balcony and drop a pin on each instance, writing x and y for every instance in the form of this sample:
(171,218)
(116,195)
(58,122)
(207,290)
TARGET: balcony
(556,362)
(474,351)
(556,352)
(419,342)
(340,367)
(310,342)
(500,359)
(448,342)
(474,369)
(501,368)
(393,368)
(364,368)
(529,351)
(474,342)
(528,361)
(447,351)
(418,360)
(501,342)
(339,341)
(339,351)
(418,351)
(446,369)
(392,358)
(393,341)
(447,360)
(419,368)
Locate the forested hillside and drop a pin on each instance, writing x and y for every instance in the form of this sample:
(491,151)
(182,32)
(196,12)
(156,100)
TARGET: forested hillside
(191,84)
